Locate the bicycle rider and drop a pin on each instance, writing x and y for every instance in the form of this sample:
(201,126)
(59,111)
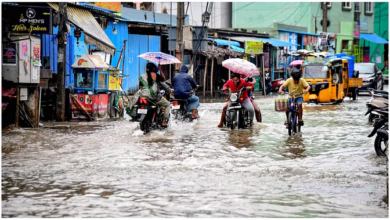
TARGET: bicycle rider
(295,84)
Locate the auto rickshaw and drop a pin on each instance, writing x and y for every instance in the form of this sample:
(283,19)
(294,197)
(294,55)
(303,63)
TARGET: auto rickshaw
(329,80)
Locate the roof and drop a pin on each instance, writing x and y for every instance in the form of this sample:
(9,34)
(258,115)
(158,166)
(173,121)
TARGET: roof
(373,38)
(299,32)
(93,32)
(277,43)
(135,15)
(221,42)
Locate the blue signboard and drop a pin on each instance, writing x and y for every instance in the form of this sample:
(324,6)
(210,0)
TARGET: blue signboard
(364,24)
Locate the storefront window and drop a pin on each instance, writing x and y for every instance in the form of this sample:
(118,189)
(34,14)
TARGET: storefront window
(84,79)
(102,81)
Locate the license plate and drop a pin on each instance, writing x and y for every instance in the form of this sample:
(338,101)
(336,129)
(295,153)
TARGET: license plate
(176,107)
(142,111)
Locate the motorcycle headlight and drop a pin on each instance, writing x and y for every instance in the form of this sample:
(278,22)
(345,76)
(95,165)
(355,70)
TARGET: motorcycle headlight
(233,97)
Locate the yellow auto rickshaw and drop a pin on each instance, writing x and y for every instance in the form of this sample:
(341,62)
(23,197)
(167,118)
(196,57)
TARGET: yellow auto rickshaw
(329,80)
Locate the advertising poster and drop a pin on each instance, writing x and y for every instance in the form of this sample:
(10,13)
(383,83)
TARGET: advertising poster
(9,54)
(356,29)
(253,47)
(24,49)
(80,102)
(100,106)
(294,40)
(37,52)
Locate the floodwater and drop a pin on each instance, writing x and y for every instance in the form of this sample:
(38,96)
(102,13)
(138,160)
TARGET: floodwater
(110,169)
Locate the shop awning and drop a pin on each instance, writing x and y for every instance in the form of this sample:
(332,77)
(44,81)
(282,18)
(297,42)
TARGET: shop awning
(277,43)
(237,48)
(299,32)
(93,34)
(373,38)
(221,42)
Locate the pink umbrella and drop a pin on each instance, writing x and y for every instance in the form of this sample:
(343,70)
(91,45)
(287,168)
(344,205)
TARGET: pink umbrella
(296,62)
(241,66)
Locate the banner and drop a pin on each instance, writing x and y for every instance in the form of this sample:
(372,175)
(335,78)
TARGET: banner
(21,19)
(253,47)
(9,53)
(356,29)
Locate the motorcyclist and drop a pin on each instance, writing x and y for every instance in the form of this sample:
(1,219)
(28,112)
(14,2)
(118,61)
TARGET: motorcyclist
(149,84)
(236,83)
(183,85)
(251,98)
(295,84)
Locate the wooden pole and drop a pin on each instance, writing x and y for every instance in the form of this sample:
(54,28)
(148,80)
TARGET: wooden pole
(229,56)
(17,107)
(212,72)
(204,79)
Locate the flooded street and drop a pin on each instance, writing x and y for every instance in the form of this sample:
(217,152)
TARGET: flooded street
(110,169)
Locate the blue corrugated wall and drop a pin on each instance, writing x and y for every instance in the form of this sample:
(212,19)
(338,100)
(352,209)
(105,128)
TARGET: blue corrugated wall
(50,48)
(135,45)
(138,44)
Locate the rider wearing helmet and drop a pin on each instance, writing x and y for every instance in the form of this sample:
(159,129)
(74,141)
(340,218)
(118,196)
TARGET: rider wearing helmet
(296,84)
(150,83)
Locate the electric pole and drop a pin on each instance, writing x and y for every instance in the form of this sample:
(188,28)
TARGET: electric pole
(62,41)
(325,22)
(179,33)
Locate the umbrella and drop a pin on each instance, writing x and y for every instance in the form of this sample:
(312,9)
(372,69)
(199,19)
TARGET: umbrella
(296,62)
(159,58)
(241,66)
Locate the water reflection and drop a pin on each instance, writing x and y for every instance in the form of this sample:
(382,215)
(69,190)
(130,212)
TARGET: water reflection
(240,138)
(294,147)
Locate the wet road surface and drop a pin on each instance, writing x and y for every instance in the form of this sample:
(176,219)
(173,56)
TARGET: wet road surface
(110,169)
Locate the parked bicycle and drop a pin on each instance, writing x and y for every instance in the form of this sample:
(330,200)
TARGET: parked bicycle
(293,125)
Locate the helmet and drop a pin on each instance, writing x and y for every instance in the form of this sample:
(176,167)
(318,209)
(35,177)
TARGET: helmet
(151,67)
(295,74)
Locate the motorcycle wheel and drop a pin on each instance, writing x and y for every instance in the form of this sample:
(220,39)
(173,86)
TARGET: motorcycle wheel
(232,124)
(290,123)
(381,144)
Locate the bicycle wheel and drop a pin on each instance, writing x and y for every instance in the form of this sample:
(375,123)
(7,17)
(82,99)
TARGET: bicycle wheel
(298,125)
(290,123)
(381,144)
(295,124)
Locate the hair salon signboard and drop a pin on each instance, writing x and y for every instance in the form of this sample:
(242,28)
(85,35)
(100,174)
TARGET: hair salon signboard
(21,19)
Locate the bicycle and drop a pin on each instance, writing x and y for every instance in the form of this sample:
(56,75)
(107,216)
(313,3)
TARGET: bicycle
(293,115)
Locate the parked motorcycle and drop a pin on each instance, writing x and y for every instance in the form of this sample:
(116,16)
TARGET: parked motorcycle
(381,130)
(236,114)
(268,84)
(149,114)
(379,98)
(277,83)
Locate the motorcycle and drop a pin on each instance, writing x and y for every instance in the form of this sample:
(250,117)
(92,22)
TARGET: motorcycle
(381,130)
(268,84)
(179,109)
(149,114)
(236,114)
(378,99)
(277,83)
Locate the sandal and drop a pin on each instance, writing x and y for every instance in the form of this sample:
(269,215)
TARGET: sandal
(285,123)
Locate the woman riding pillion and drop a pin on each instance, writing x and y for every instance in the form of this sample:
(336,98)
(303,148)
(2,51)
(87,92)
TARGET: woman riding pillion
(295,85)
(150,83)
(236,83)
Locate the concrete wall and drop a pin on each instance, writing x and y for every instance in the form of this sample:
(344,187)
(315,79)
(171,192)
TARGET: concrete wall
(264,14)
(220,15)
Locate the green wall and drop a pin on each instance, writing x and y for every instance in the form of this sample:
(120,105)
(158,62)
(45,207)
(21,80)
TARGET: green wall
(381,28)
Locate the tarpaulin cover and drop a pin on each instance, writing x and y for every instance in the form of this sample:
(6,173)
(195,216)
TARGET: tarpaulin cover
(373,38)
